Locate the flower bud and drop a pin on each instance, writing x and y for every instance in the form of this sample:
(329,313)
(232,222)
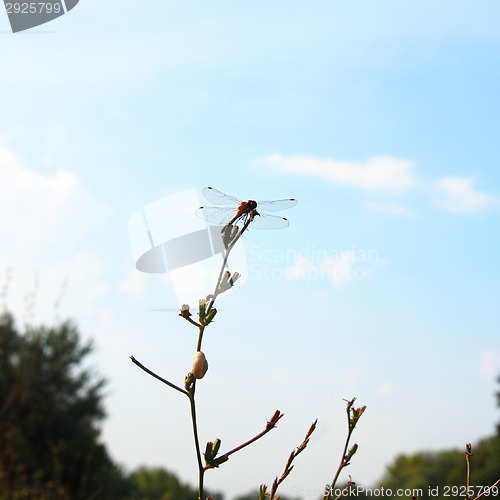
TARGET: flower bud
(229,233)
(227,281)
(185,311)
(188,382)
(200,365)
(210,316)
(215,447)
(202,308)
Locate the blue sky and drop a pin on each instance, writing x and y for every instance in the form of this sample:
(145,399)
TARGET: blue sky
(380,117)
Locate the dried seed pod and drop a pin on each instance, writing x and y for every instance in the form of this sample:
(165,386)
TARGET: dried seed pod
(200,365)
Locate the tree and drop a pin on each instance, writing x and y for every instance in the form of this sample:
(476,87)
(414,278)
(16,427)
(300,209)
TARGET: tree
(485,467)
(159,484)
(498,404)
(444,469)
(50,408)
(425,470)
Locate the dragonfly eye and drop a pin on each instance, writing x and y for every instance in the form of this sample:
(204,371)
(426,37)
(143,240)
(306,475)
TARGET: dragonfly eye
(251,204)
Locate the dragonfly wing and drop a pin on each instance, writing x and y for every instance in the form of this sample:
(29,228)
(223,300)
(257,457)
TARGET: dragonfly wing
(274,206)
(264,221)
(216,215)
(219,198)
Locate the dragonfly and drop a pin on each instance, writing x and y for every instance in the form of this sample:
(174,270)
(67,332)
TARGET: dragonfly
(234,210)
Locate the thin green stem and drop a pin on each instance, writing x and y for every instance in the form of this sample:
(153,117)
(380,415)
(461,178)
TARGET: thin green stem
(271,424)
(246,443)
(161,379)
(194,421)
(201,475)
(200,337)
(224,262)
(487,491)
(191,393)
(193,322)
(344,453)
(201,469)
(468,455)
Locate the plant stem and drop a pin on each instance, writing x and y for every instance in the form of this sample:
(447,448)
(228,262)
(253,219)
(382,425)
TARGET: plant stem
(226,256)
(201,470)
(246,443)
(468,455)
(200,337)
(344,453)
(161,379)
(191,393)
(193,322)
(271,424)
(486,492)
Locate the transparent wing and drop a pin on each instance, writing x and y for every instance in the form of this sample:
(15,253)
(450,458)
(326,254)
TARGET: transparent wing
(219,198)
(221,216)
(274,206)
(216,215)
(265,221)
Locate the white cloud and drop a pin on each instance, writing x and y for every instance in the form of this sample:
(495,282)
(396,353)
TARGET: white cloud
(301,269)
(44,220)
(133,284)
(388,207)
(72,286)
(42,214)
(346,266)
(457,194)
(375,174)
(340,270)
(388,390)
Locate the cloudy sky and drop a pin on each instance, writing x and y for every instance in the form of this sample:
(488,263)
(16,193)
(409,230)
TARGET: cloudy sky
(380,117)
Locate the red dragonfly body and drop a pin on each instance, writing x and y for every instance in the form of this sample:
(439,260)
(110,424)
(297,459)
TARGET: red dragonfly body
(245,209)
(236,210)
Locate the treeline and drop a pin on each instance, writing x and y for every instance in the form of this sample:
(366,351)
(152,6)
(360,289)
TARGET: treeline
(442,475)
